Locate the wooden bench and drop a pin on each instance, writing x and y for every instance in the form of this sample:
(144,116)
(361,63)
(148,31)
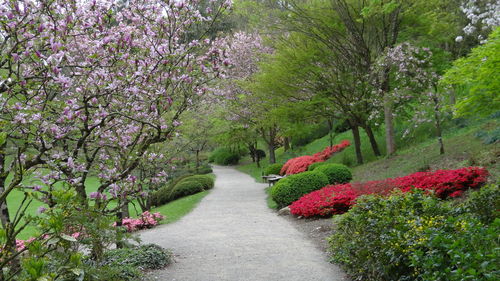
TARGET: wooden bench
(272,179)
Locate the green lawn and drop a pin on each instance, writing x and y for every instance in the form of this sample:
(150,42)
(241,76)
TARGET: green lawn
(180,207)
(173,210)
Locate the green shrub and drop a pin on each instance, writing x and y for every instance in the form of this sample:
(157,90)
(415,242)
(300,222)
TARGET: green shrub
(291,188)
(205,181)
(273,169)
(315,165)
(414,236)
(185,188)
(162,195)
(227,158)
(336,173)
(111,273)
(144,257)
(126,264)
(485,203)
(224,156)
(203,170)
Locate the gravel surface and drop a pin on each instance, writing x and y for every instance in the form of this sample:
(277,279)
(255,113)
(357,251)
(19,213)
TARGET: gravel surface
(232,235)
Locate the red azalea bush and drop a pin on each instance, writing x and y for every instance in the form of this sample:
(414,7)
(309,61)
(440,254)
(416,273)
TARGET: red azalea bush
(337,199)
(300,164)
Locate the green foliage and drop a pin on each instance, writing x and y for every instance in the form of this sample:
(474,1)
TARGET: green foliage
(181,186)
(415,236)
(313,166)
(207,182)
(149,256)
(162,195)
(485,203)
(273,169)
(184,188)
(224,156)
(291,188)
(336,173)
(478,74)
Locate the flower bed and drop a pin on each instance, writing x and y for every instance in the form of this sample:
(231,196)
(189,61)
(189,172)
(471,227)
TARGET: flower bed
(146,220)
(337,199)
(300,164)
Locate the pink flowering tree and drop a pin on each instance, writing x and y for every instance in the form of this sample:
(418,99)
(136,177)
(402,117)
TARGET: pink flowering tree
(88,86)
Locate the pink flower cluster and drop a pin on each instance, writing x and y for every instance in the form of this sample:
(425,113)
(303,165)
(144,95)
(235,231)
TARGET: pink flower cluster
(337,199)
(146,220)
(300,164)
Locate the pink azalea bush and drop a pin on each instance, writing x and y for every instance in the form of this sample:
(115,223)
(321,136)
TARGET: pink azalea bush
(146,220)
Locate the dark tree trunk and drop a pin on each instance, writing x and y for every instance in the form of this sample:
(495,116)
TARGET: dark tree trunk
(253,151)
(439,132)
(357,143)
(197,159)
(272,156)
(389,128)
(270,137)
(373,141)
(286,144)
(330,132)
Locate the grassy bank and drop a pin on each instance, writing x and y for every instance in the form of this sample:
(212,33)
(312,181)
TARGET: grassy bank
(462,148)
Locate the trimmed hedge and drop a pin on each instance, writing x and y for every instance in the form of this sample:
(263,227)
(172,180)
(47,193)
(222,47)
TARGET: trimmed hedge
(336,173)
(293,187)
(273,169)
(206,181)
(185,188)
(181,186)
(162,195)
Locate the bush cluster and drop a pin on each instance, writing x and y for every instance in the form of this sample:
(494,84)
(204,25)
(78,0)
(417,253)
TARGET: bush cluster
(181,186)
(273,169)
(337,199)
(414,236)
(224,156)
(291,188)
(336,173)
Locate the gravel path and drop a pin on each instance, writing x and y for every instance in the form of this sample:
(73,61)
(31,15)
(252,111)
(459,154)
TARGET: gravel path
(232,235)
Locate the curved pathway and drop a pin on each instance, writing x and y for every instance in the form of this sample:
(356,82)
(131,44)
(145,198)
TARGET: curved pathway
(232,235)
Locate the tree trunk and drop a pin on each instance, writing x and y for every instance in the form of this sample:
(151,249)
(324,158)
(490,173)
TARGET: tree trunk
(272,156)
(120,215)
(330,132)
(389,126)
(439,132)
(197,159)
(357,143)
(253,151)
(271,143)
(373,141)
(286,144)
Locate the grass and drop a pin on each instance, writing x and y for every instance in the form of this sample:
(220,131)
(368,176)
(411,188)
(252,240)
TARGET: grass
(173,210)
(180,207)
